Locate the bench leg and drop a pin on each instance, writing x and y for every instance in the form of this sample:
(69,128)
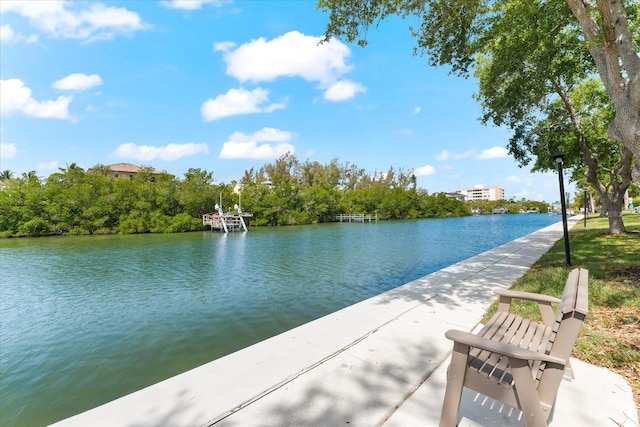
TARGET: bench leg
(573,375)
(527,394)
(455,384)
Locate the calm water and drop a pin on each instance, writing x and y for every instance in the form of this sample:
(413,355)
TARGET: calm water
(84,320)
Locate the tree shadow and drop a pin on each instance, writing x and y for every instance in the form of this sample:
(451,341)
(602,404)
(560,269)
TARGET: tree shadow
(352,389)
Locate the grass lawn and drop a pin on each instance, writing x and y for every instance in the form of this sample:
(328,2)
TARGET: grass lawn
(610,336)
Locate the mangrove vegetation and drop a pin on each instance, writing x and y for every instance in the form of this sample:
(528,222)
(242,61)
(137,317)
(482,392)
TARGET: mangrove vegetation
(73,201)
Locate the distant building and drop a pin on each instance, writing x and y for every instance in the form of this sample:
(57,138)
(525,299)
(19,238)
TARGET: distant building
(126,170)
(457,196)
(480,192)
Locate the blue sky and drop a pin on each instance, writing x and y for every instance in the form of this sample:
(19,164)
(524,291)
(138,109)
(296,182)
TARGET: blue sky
(229,85)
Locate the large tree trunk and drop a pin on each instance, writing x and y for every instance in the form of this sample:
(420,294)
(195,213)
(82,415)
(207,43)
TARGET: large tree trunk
(612,194)
(613,206)
(618,64)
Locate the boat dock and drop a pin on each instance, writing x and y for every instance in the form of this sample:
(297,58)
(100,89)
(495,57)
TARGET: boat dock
(357,217)
(229,221)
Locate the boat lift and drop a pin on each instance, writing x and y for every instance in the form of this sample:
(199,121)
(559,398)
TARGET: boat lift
(229,221)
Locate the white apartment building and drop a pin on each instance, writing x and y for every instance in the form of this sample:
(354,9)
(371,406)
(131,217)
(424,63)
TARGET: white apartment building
(480,192)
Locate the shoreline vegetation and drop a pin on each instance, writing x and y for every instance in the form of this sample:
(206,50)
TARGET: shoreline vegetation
(78,202)
(610,337)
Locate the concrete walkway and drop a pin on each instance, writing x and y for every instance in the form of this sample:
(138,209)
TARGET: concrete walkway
(379,362)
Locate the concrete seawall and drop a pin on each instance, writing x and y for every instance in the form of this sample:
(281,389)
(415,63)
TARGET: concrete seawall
(367,364)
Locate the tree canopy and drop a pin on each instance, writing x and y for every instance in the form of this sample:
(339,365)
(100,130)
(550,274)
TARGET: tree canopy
(72,201)
(454,32)
(530,57)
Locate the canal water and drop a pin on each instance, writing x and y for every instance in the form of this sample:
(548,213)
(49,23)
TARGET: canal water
(84,320)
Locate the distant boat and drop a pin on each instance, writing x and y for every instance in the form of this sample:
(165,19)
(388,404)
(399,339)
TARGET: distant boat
(500,211)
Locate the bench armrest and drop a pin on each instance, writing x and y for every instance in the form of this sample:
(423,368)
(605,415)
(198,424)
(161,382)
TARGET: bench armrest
(508,350)
(544,303)
(528,296)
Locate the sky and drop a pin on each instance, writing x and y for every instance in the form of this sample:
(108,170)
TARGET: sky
(226,86)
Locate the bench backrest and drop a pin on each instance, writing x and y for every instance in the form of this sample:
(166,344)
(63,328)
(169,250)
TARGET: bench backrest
(576,292)
(570,315)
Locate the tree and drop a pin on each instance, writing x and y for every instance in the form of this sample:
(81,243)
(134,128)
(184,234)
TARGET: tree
(533,79)
(71,201)
(198,195)
(455,32)
(30,176)
(100,169)
(6,175)
(284,169)
(613,44)
(576,124)
(544,96)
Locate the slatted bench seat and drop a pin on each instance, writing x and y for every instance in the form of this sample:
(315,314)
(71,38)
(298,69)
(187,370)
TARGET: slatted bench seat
(515,360)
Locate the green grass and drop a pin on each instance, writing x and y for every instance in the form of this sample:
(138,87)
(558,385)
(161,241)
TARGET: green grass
(611,335)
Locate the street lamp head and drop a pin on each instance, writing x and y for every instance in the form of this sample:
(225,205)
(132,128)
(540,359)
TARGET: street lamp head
(558,157)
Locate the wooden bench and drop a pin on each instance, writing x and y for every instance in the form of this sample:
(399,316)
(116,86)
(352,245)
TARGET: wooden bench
(517,361)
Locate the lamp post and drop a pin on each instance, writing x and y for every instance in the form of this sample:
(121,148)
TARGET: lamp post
(559,158)
(585,206)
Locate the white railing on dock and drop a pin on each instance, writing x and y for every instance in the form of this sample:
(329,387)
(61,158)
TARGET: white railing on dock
(225,221)
(357,217)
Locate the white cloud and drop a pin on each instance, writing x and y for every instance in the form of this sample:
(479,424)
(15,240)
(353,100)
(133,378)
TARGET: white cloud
(522,179)
(16,97)
(493,153)
(290,55)
(450,155)
(7,33)
(191,4)
(528,195)
(238,101)
(78,81)
(72,20)
(490,153)
(223,46)
(8,151)
(48,166)
(425,170)
(343,90)
(257,145)
(416,110)
(444,155)
(169,152)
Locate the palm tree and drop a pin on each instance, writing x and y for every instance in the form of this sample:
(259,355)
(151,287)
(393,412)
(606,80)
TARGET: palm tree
(100,169)
(6,175)
(30,175)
